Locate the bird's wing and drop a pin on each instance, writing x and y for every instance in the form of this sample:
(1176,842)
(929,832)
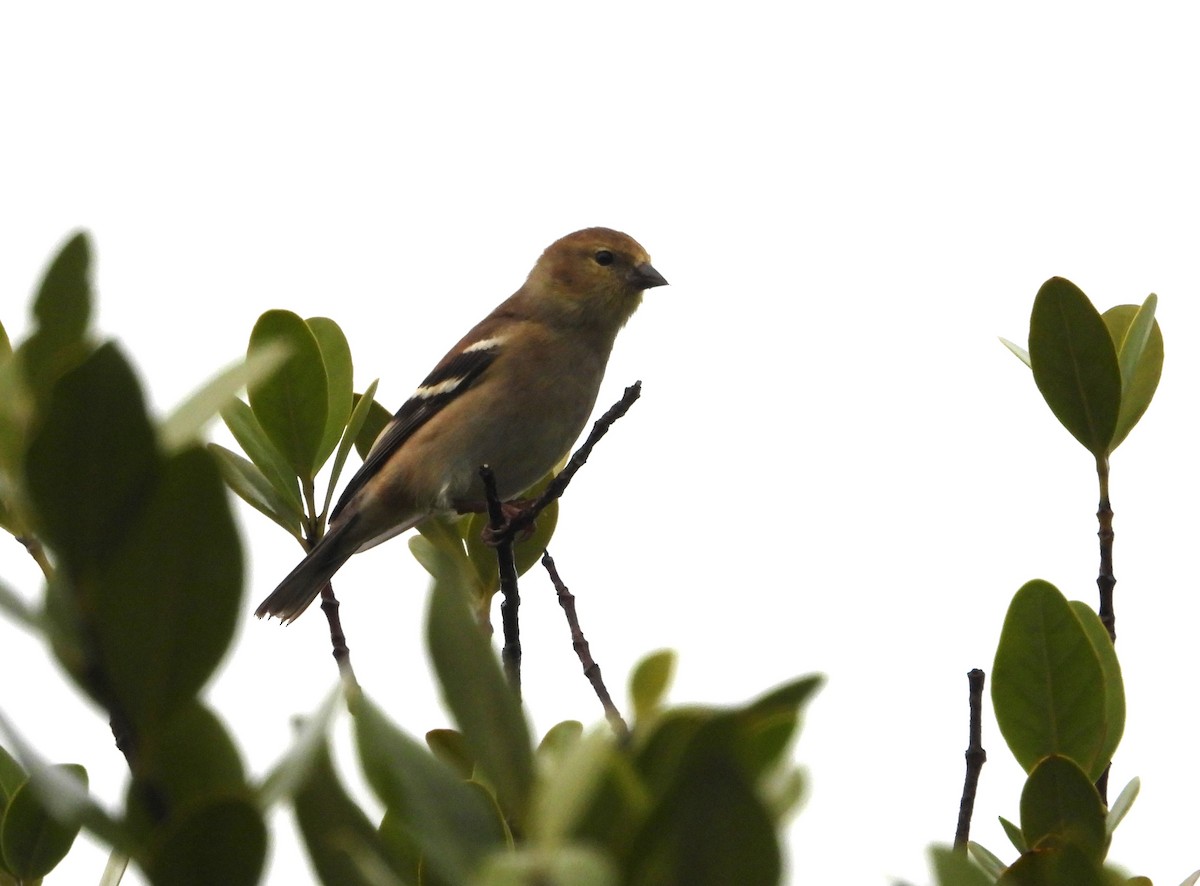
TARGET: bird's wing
(448,381)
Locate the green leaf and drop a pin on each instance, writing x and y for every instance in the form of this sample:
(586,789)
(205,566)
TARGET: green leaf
(377,419)
(12,776)
(221,841)
(362,408)
(61,309)
(164,610)
(339,372)
(560,737)
(1075,364)
(285,777)
(1014,834)
(1114,685)
(649,683)
(252,486)
(952,867)
(1060,806)
(767,724)
(188,760)
(576,865)
(5,345)
(1054,866)
(991,865)
(1048,685)
(1120,807)
(449,819)
(574,776)
(292,405)
(32,841)
(183,426)
(240,420)
(17,609)
(337,833)
(1139,344)
(449,746)
(709,825)
(93,461)
(1020,352)
(474,689)
(63,795)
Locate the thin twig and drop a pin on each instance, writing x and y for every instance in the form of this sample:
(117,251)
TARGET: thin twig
(976,757)
(337,637)
(590,669)
(559,484)
(1106,581)
(511,603)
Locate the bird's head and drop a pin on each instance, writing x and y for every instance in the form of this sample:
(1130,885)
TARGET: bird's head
(595,275)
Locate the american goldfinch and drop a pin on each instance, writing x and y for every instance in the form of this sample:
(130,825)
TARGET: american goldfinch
(513,394)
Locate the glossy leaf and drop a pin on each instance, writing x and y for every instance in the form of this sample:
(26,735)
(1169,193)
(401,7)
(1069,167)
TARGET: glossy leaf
(1020,352)
(285,777)
(358,417)
(339,374)
(5,344)
(990,864)
(1014,834)
(64,795)
(560,737)
(12,776)
(292,405)
(377,419)
(953,867)
(709,825)
(61,309)
(571,864)
(253,487)
(1075,364)
(449,819)
(337,833)
(649,683)
(487,711)
(1114,685)
(1054,866)
(185,424)
(767,724)
(573,777)
(1048,683)
(221,841)
(165,608)
(187,760)
(240,420)
(1120,807)
(1139,344)
(15,608)
(93,461)
(449,746)
(32,841)
(1060,806)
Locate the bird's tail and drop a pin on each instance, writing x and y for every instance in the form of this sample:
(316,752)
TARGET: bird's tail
(302,585)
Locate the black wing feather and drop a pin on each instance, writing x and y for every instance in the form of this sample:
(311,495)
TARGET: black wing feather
(466,366)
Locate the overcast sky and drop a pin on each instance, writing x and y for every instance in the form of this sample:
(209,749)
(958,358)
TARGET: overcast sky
(834,467)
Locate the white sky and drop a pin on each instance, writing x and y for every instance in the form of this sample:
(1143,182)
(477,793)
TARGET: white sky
(835,466)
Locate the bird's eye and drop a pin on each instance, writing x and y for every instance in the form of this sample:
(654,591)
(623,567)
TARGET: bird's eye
(604,257)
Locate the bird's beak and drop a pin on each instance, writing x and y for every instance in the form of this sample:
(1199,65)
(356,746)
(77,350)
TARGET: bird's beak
(645,277)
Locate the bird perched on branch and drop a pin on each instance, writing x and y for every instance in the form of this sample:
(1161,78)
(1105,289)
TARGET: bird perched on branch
(513,394)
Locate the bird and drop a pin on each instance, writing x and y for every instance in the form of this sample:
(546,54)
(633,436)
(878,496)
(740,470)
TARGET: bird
(514,394)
